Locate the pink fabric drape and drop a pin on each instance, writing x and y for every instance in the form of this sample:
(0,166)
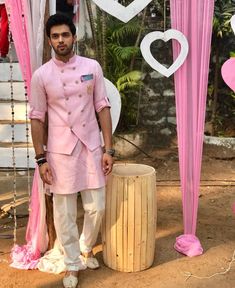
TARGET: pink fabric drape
(27,256)
(194,19)
(19,30)
(36,232)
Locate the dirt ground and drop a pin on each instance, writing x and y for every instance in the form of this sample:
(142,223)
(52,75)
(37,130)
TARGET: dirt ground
(216,230)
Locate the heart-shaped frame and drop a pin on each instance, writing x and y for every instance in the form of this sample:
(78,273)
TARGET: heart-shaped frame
(170,34)
(115,102)
(121,12)
(232,22)
(227,72)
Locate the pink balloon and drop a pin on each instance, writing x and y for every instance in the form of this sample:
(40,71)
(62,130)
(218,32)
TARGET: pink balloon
(228,74)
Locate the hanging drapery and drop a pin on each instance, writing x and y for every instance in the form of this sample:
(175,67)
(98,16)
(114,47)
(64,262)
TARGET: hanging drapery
(194,19)
(28,256)
(35,23)
(52,5)
(83,25)
(19,29)
(28,33)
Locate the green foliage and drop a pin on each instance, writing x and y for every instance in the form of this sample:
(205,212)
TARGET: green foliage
(128,86)
(129,81)
(120,50)
(119,32)
(120,53)
(120,45)
(116,47)
(224,10)
(120,40)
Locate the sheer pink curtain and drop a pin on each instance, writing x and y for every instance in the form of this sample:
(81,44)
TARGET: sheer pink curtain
(19,29)
(194,19)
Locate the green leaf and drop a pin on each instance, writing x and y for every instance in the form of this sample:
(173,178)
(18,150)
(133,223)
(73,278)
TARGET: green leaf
(129,81)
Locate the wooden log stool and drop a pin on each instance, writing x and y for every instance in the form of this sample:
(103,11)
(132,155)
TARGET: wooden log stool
(129,224)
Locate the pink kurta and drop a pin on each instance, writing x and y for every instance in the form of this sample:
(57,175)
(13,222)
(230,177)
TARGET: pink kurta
(70,93)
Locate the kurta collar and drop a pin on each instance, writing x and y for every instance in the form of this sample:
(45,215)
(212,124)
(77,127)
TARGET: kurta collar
(60,63)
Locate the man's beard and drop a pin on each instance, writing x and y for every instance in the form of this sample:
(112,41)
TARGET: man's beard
(65,52)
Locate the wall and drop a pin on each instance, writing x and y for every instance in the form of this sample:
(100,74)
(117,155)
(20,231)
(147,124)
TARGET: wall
(157,100)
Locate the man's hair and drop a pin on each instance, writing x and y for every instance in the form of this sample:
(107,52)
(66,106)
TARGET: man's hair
(59,19)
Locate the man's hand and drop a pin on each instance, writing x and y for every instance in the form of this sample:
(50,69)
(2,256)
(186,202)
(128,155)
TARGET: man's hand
(45,173)
(107,163)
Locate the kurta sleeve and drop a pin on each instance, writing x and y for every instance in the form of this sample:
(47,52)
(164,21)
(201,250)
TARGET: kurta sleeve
(38,100)
(100,94)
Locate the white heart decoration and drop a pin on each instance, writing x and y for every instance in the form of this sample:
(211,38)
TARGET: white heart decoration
(165,36)
(121,12)
(115,102)
(232,21)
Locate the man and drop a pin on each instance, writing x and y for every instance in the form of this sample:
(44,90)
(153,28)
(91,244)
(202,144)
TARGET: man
(70,89)
(4,43)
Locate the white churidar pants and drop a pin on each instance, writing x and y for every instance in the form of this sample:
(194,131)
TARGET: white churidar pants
(65,217)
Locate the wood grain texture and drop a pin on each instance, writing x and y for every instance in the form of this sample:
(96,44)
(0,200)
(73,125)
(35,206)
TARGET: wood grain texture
(130,218)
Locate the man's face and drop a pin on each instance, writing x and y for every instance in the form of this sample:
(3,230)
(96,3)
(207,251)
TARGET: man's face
(62,40)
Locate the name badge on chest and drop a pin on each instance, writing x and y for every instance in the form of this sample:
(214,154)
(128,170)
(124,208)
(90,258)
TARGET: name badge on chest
(86,77)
